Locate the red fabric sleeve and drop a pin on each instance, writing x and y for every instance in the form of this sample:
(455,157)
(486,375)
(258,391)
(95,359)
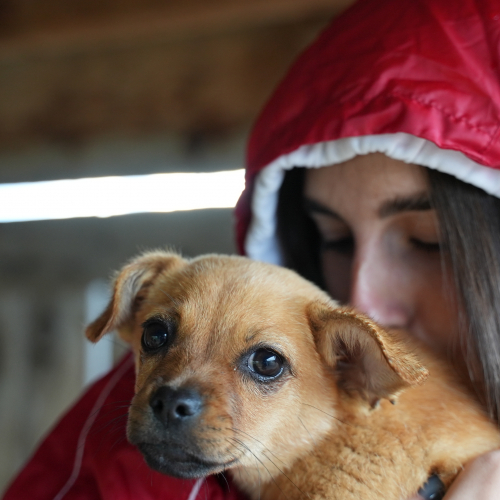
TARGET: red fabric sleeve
(87,456)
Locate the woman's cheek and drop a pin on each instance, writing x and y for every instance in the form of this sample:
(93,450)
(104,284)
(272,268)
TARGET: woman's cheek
(408,276)
(337,272)
(435,304)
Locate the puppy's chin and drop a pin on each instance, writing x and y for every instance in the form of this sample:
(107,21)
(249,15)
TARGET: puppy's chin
(173,461)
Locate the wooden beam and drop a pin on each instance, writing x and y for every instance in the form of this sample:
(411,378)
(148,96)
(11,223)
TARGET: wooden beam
(198,69)
(179,20)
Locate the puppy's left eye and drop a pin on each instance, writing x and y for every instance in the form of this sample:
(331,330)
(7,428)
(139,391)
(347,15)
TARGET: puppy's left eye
(155,336)
(266,363)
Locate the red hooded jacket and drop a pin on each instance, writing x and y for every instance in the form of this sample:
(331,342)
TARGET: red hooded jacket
(418,80)
(87,456)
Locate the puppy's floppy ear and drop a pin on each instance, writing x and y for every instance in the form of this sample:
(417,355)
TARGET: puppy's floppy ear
(128,291)
(368,360)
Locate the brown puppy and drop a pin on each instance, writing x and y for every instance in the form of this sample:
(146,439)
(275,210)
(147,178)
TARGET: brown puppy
(248,367)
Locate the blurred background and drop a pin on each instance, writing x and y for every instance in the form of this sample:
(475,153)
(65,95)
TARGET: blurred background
(93,88)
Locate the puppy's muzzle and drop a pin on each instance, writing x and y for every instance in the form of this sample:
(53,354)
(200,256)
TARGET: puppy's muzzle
(170,434)
(176,408)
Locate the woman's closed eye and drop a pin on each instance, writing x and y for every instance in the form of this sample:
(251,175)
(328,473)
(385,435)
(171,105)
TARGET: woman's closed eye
(344,245)
(426,246)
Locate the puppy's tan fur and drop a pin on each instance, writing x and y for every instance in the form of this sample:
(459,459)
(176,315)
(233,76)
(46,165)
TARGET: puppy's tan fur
(318,430)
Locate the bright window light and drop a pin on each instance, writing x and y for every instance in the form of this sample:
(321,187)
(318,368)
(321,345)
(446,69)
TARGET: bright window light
(109,196)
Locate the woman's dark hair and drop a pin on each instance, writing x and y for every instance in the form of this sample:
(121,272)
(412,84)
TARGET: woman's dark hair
(470,235)
(469,221)
(298,236)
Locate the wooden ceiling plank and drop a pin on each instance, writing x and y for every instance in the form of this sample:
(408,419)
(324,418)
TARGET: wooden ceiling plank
(167,24)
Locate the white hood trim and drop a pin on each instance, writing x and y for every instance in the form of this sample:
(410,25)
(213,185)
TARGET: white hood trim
(261,241)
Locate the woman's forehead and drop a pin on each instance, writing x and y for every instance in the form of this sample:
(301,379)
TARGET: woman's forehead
(372,180)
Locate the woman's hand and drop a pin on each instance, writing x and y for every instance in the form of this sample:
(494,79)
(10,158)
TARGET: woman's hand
(480,480)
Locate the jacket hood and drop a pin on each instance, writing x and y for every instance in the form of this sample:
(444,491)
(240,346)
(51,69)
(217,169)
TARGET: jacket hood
(418,80)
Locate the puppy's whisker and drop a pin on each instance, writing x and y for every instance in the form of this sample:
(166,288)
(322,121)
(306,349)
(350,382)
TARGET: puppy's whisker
(121,439)
(116,402)
(240,470)
(110,413)
(224,477)
(110,423)
(272,477)
(262,444)
(330,415)
(307,430)
(110,426)
(107,410)
(139,409)
(240,452)
(257,461)
(113,410)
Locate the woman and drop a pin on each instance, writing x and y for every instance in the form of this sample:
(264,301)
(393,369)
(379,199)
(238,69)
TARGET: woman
(391,98)
(421,89)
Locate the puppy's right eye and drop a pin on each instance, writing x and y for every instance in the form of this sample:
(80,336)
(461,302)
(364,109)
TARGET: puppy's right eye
(266,363)
(155,336)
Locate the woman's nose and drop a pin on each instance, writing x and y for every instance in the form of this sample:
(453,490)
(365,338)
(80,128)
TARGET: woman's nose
(380,290)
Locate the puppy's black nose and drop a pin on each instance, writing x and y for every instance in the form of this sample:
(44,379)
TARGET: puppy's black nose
(175,406)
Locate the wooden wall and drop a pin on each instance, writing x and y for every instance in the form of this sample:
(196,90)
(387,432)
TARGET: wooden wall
(72,71)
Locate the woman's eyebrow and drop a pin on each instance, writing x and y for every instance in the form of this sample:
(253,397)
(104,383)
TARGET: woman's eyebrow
(418,202)
(314,207)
